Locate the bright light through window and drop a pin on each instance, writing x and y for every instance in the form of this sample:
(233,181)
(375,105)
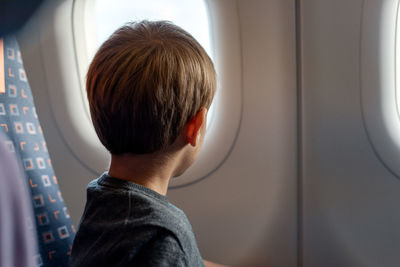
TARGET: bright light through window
(191,15)
(397,64)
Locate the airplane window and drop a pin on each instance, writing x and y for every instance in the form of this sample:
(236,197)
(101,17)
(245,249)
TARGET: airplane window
(397,63)
(380,80)
(215,24)
(110,15)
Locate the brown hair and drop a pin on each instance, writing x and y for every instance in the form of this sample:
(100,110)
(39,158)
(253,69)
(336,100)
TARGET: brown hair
(145,83)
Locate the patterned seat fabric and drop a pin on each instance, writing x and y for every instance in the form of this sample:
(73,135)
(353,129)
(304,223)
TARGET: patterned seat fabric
(19,121)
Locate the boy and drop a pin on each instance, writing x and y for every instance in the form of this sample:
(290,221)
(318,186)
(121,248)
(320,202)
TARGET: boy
(149,87)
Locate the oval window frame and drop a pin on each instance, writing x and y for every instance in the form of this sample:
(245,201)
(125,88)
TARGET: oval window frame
(378,80)
(78,133)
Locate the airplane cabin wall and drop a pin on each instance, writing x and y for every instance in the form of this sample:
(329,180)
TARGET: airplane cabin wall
(350,200)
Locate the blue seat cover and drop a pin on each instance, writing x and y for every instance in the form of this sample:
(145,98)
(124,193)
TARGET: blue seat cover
(19,121)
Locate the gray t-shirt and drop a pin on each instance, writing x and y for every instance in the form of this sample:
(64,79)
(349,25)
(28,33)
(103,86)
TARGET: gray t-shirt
(126,224)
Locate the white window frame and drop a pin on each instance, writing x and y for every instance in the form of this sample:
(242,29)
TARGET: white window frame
(65,62)
(378,80)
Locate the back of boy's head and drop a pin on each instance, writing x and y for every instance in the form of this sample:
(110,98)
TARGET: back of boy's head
(145,83)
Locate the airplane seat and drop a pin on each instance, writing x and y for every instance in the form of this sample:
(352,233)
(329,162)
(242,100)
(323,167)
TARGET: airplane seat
(19,122)
(17,235)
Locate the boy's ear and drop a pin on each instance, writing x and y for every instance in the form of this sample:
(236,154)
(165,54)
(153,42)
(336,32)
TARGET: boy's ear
(192,130)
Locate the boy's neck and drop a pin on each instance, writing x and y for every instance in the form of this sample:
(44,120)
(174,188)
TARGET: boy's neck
(149,170)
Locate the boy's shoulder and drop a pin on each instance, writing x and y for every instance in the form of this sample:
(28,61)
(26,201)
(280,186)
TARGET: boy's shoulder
(125,217)
(140,203)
